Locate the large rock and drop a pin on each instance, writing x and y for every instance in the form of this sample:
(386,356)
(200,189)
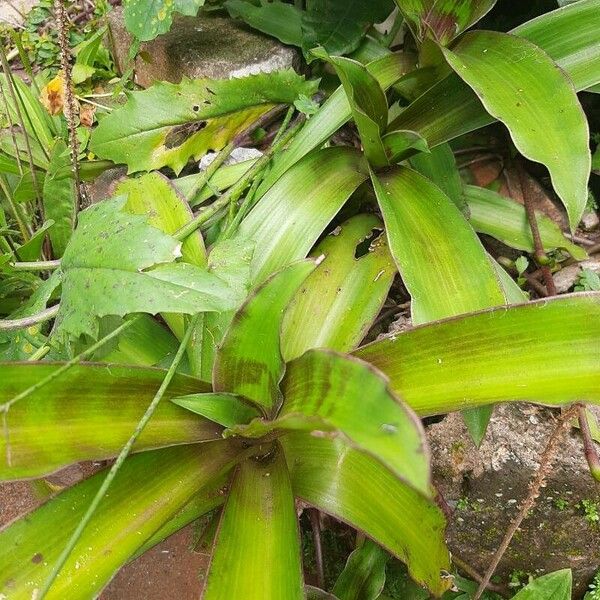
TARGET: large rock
(13,13)
(487,485)
(205,46)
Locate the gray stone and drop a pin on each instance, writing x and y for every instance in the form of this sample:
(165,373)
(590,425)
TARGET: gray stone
(590,221)
(238,155)
(487,486)
(204,46)
(566,278)
(12,12)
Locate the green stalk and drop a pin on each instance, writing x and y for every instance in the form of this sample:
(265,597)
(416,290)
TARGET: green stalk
(24,227)
(119,461)
(36,265)
(235,191)
(23,323)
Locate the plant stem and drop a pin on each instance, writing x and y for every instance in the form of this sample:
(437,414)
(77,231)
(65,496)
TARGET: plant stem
(546,461)
(315,523)
(69,108)
(36,265)
(118,462)
(538,245)
(23,323)
(24,226)
(237,189)
(591,454)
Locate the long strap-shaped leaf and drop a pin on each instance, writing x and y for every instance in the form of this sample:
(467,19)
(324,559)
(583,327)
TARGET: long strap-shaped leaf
(257,550)
(568,35)
(136,507)
(291,216)
(442,262)
(512,76)
(546,352)
(338,302)
(326,391)
(356,489)
(89,413)
(249,361)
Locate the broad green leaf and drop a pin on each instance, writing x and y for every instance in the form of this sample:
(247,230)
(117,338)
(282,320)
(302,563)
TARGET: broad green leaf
(339,25)
(86,53)
(506,220)
(168,123)
(568,35)
(442,262)
(443,20)
(363,576)
(513,293)
(60,198)
(331,476)
(39,125)
(512,77)
(136,507)
(333,114)
(368,104)
(146,343)
(439,166)
(249,360)
(544,352)
(326,391)
(32,249)
(153,195)
(554,586)
(400,143)
(48,430)
(477,421)
(147,19)
(280,20)
(339,301)
(288,220)
(103,272)
(257,550)
(225,409)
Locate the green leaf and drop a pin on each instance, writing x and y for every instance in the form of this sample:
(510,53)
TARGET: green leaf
(249,360)
(554,586)
(326,391)
(225,409)
(339,25)
(332,115)
(146,19)
(543,352)
(568,35)
(60,198)
(168,123)
(401,143)
(439,166)
(288,220)
(48,430)
(257,550)
(86,54)
(135,508)
(154,196)
(363,576)
(368,103)
(103,272)
(39,125)
(477,421)
(506,220)
(283,21)
(443,20)
(512,77)
(339,301)
(328,474)
(442,262)
(32,249)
